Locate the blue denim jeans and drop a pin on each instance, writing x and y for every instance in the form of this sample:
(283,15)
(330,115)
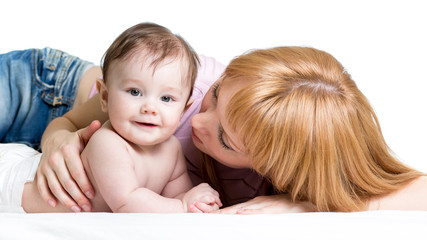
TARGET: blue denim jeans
(36,86)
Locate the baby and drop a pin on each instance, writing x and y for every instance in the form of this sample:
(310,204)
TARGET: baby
(134,162)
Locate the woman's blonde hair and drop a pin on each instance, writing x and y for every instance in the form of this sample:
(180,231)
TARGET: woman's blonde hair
(310,130)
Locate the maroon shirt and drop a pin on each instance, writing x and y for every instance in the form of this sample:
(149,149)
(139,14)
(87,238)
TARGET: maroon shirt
(239,185)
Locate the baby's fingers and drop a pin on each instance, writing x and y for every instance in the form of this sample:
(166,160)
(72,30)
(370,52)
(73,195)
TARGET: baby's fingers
(206,208)
(211,200)
(193,208)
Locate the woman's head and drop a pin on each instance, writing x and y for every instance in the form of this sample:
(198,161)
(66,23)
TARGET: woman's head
(299,119)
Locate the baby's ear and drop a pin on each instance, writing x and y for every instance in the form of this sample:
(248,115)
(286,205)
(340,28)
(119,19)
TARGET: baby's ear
(190,101)
(103,93)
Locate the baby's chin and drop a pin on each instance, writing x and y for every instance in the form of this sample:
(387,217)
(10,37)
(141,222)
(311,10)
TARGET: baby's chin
(149,142)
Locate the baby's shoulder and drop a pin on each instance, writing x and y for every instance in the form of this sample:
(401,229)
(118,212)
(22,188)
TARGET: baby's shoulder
(172,143)
(105,136)
(105,130)
(172,149)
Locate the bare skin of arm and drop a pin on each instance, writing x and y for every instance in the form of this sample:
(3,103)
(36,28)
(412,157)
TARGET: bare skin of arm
(281,203)
(411,197)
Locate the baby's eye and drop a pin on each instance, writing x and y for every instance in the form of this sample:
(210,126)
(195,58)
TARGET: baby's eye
(166,99)
(135,92)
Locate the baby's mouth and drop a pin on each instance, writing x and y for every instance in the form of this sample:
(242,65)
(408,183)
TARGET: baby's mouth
(145,124)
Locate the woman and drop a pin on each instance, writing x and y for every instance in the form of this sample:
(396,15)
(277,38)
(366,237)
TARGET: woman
(295,116)
(291,114)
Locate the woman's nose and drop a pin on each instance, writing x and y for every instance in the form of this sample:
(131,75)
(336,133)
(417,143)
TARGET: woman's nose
(200,122)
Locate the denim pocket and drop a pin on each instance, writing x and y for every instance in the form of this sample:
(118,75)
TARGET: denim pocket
(43,83)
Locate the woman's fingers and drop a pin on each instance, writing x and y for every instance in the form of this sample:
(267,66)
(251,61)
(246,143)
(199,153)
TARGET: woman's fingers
(281,203)
(74,162)
(79,182)
(44,189)
(48,184)
(61,172)
(55,181)
(71,175)
(229,210)
(250,211)
(86,133)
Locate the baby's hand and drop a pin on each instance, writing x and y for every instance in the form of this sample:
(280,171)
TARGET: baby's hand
(202,198)
(200,207)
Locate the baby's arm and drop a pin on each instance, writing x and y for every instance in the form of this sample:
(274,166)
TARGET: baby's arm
(113,172)
(201,198)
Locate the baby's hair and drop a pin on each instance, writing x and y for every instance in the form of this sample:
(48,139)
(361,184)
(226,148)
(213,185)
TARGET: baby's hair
(156,42)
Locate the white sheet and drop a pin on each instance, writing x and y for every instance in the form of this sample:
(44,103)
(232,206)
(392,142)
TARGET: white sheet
(362,225)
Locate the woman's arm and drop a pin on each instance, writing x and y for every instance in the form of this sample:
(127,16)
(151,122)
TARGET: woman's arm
(61,173)
(413,196)
(281,203)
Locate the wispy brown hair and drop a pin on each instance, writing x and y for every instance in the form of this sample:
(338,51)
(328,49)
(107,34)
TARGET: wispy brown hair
(157,43)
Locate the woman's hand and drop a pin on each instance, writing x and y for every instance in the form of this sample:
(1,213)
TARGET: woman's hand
(269,204)
(61,174)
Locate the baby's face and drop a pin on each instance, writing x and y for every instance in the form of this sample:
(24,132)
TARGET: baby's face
(145,105)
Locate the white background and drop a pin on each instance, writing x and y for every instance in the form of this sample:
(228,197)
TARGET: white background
(383,44)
